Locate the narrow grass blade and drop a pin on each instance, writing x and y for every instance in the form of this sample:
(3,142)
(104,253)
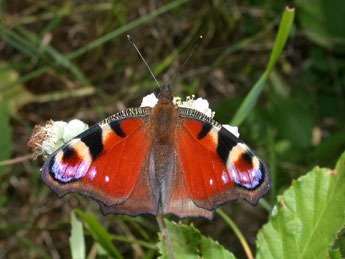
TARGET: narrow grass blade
(102,40)
(252,97)
(100,234)
(76,240)
(125,28)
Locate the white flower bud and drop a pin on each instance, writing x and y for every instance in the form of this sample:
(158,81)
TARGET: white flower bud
(149,101)
(73,128)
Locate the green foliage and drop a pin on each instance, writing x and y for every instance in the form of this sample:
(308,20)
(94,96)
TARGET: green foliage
(76,240)
(188,242)
(293,121)
(308,217)
(323,21)
(5,136)
(252,97)
(6,145)
(100,234)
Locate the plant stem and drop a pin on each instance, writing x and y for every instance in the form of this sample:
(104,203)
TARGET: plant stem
(237,233)
(165,235)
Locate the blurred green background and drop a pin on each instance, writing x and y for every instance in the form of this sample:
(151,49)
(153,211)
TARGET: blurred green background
(70,59)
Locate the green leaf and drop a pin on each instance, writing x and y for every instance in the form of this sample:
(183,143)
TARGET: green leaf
(100,234)
(308,216)
(188,242)
(76,239)
(252,97)
(335,254)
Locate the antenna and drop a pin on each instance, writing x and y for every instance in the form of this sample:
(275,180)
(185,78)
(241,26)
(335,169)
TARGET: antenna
(188,58)
(141,56)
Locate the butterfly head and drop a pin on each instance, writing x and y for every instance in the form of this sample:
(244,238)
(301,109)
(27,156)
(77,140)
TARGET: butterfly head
(165,94)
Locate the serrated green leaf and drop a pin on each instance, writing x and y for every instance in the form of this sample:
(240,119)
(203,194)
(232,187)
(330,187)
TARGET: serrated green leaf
(100,234)
(308,217)
(76,240)
(212,249)
(188,242)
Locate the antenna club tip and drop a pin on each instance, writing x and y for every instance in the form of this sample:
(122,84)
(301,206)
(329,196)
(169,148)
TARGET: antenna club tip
(130,38)
(201,36)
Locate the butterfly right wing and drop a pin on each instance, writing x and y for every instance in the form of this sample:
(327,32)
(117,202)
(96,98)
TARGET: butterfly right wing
(214,167)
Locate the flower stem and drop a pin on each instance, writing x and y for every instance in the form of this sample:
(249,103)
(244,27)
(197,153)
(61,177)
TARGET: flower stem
(166,238)
(237,233)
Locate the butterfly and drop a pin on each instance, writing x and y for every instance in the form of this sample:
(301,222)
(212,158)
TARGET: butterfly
(166,156)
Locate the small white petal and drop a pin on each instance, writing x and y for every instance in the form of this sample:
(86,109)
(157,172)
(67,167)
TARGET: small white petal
(203,106)
(149,101)
(73,128)
(59,128)
(232,129)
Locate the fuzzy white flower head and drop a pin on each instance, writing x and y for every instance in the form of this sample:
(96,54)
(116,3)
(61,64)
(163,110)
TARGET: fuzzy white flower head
(45,140)
(199,104)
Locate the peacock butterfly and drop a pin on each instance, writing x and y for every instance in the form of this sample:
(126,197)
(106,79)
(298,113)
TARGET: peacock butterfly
(141,158)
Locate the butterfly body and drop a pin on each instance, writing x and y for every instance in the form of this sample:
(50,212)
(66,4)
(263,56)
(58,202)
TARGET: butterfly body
(168,156)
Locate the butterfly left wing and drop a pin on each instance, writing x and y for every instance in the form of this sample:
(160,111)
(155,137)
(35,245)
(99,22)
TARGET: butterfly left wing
(216,166)
(110,162)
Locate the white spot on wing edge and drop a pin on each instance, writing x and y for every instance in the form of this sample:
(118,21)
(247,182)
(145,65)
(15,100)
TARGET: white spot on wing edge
(106,130)
(107,178)
(232,129)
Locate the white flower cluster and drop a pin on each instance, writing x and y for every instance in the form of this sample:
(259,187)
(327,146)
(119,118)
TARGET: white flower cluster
(199,104)
(45,140)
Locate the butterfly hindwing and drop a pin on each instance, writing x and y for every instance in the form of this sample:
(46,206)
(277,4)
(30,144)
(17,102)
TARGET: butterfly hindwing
(217,166)
(145,195)
(175,197)
(106,162)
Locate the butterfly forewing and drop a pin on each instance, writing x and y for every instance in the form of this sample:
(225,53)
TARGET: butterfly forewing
(217,166)
(106,161)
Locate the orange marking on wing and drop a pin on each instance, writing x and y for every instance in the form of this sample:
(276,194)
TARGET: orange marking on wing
(205,175)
